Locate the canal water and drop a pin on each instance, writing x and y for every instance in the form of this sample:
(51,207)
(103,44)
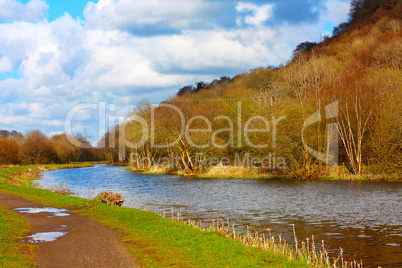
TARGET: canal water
(364,218)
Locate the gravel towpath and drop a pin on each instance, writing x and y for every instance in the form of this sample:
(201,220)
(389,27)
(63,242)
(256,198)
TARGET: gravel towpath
(77,240)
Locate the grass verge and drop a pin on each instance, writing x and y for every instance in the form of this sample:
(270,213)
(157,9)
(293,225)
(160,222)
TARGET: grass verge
(12,252)
(23,175)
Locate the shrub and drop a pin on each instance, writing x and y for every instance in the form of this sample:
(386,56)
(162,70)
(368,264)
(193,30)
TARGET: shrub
(110,198)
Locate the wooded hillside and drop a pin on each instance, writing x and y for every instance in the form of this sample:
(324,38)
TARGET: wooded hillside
(358,69)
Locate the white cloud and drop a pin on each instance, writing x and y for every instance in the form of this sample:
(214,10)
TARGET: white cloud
(209,50)
(338,11)
(11,10)
(5,65)
(66,60)
(175,14)
(37,110)
(115,62)
(24,123)
(260,14)
(54,133)
(20,41)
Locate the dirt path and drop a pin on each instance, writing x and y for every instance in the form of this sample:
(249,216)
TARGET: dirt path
(84,243)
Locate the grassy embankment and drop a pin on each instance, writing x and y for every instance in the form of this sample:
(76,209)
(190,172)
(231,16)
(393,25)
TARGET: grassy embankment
(153,240)
(23,175)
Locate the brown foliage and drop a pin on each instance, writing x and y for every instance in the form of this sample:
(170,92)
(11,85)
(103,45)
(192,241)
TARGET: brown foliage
(65,150)
(9,150)
(38,150)
(110,198)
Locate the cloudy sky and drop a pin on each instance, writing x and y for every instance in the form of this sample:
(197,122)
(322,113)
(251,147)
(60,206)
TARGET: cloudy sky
(57,54)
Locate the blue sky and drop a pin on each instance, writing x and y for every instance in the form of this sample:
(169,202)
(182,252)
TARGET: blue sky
(57,54)
(57,8)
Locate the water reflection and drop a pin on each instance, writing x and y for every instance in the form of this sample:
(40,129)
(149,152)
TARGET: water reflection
(45,237)
(55,212)
(364,218)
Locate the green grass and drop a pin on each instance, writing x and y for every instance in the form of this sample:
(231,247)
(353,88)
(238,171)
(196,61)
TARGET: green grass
(158,242)
(23,175)
(13,253)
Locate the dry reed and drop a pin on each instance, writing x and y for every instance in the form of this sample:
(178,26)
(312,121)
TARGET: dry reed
(62,188)
(301,250)
(236,171)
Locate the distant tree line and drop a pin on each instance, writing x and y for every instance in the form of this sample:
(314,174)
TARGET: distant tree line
(36,148)
(191,89)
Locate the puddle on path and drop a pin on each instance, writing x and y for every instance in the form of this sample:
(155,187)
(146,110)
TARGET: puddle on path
(393,244)
(57,212)
(45,237)
(60,228)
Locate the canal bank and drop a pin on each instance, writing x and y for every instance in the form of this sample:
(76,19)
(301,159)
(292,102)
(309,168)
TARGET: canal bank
(155,241)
